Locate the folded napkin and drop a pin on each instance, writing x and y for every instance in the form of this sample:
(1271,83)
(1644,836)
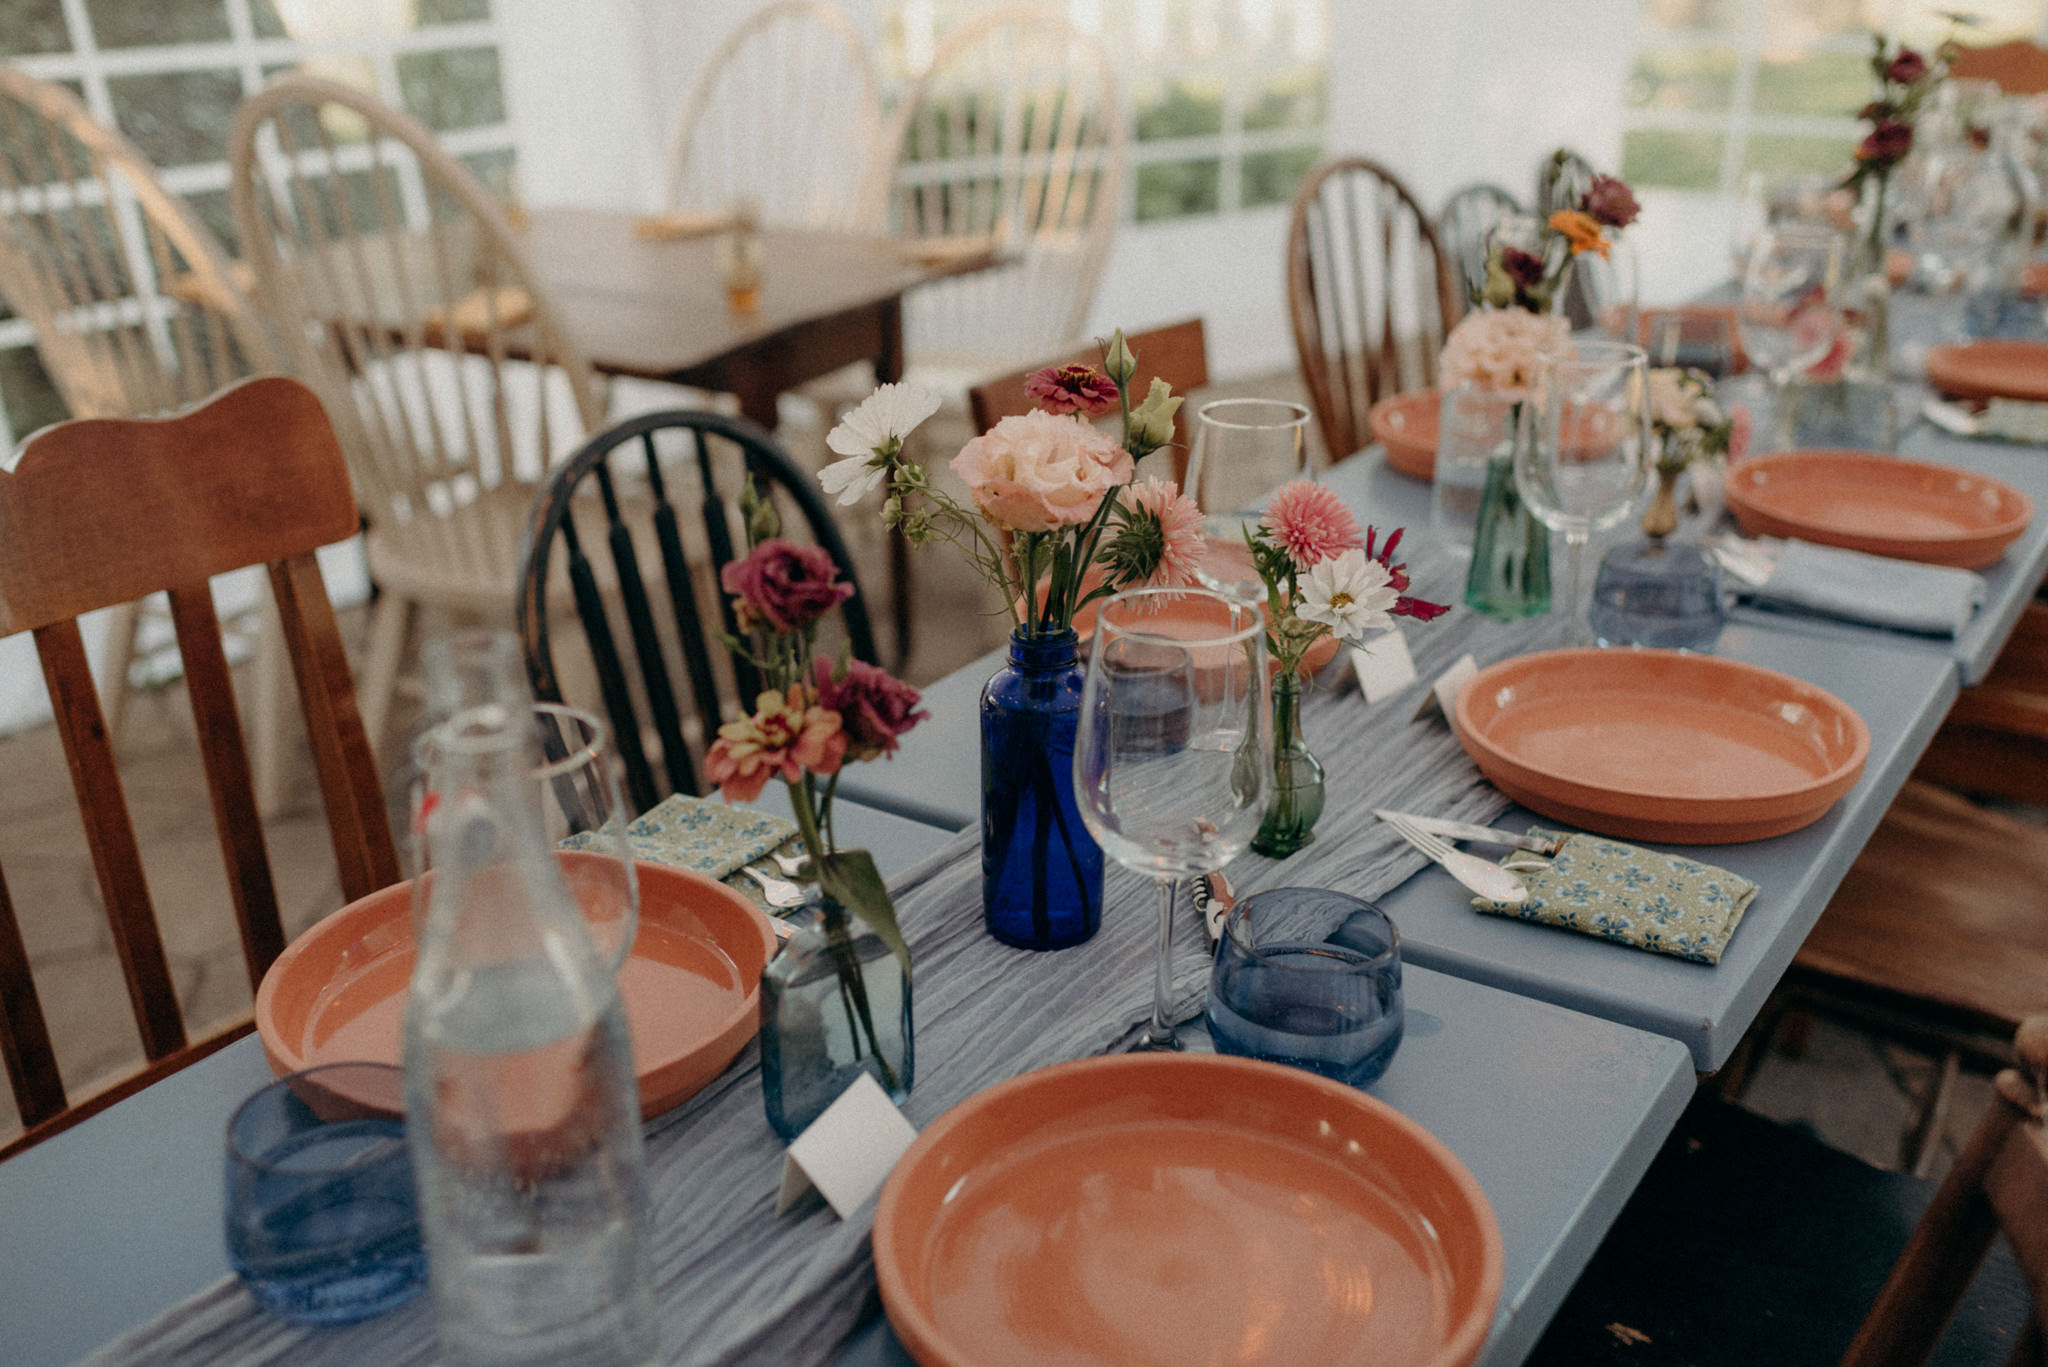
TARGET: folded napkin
(1933,600)
(2015,420)
(706,837)
(1658,902)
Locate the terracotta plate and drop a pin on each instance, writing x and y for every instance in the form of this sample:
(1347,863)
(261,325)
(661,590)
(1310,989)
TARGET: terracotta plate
(1157,1210)
(1199,613)
(1406,425)
(1660,745)
(691,984)
(1906,509)
(1991,370)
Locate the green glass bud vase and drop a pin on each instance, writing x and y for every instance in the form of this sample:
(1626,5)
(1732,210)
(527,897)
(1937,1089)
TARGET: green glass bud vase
(1510,576)
(1297,799)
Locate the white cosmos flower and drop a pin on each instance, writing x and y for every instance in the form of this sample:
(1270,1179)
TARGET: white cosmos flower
(1349,594)
(869,435)
(852,478)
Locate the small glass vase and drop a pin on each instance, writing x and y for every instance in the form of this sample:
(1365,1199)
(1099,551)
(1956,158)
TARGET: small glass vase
(1041,872)
(1510,575)
(835,1003)
(1297,800)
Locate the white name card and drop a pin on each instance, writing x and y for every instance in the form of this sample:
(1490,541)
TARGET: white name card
(848,1150)
(1383,665)
(1443,694)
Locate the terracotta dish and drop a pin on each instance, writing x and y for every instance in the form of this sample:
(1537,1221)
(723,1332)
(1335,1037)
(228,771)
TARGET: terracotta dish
(1157,1210)
(1661,745)
(2034,278)
(1200,614)
(691,984)
(1906,509)
(1991,370)
(1406,425)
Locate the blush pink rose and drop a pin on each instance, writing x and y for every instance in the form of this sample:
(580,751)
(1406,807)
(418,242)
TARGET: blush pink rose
(1037,472)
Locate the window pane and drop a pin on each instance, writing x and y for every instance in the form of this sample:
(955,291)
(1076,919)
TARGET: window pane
(1292,100)
(452,11)
(1778,155)
(1175,189)
(130,23)
(452,88)
(30,26)
(1682,78)
(264,21)
(25,388)
(1672,158)
(498,171)
(1693,14)
(1180,109)
(1816,83)
(1270,177)
(177,117)
(210,207)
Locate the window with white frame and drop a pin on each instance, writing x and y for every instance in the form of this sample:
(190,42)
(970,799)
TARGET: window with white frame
(169,74)
(1224,99)
(1723,90)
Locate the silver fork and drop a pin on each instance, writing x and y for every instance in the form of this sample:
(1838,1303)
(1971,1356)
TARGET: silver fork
(1490,881)
(780,894)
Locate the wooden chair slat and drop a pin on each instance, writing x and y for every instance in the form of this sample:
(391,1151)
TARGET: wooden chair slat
(24,1035)
(661,697)
(611,677)
(689,621)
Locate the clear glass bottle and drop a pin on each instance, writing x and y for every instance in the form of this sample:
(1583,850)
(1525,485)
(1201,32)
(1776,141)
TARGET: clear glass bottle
(1297,800)
(524,1116)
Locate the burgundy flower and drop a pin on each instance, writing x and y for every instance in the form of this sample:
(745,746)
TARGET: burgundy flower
(1072,388)
(1524,268)
(874,708)
(1887,144)
(1906,68)
(1421,609)
(1611,202)
(783,587)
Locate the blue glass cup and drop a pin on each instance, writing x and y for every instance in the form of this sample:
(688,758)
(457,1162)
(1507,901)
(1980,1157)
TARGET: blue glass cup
(322,1223)
(1311,978)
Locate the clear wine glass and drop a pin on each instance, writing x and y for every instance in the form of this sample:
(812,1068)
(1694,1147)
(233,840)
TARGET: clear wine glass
(1242,448)
(1789,311)
(1170,767)
(1583,452)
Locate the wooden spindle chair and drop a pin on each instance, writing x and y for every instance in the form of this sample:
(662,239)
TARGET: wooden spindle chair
(1465,225)
(612,522)
(253,477)
(1371,294)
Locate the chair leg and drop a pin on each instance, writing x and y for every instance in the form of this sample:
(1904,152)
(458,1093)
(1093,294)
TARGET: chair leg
(273,674)
(1755,1045)
(1922,1141)
(124,621)
(389,620)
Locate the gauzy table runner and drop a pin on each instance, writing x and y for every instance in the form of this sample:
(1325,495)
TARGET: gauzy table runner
(735,1283)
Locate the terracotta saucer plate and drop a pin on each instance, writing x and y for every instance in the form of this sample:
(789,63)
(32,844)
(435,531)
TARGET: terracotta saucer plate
(1864,501)
(691,984)
(1181,616)
(1661,745)
(1406,424)
(1991,370)
(1155,1210)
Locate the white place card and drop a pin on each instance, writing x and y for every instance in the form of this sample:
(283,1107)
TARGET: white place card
(1383,665)
(848,1150)
(1443,694)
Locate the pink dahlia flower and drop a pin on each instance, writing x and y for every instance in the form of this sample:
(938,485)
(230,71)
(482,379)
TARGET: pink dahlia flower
(1310,523)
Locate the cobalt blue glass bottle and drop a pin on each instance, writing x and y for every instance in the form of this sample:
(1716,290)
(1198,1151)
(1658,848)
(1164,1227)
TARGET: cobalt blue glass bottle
(1041,872)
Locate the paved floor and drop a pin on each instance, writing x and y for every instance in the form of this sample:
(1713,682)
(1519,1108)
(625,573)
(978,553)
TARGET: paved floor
(1853,1091)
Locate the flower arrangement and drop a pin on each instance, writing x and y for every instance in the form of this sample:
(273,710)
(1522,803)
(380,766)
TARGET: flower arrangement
(1531,275)
(1690,424)
(1906,81)
(1496,349)
(1057,519)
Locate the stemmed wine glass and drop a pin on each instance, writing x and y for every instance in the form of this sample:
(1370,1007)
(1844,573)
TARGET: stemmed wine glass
(1790,295)
(1583,452)
(1170,768)
(1242,448)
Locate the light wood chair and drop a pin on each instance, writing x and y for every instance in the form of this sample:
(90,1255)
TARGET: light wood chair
(1749,1242)
(2018,67)
(411,308)
(1371,294)
(135,311)
(1465,224)
(1012,139)
(1177,353)
(645,582)
(253,477)
(785,117)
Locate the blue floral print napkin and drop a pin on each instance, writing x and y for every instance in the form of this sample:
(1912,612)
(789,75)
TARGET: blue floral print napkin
(706,836)
(1659,902)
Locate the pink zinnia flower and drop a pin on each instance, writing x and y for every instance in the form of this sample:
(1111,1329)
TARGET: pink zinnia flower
(874,708)
(788,734)
(1072,388)
(1180,531)
(1310,523)
(783,587)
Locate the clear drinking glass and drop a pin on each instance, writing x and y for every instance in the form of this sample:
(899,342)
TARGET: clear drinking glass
(1242,448)
(1170,767)
(1583,452)
(321,1220)
(1789,310)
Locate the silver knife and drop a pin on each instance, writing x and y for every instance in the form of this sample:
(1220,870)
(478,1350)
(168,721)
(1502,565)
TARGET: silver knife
(1465,830)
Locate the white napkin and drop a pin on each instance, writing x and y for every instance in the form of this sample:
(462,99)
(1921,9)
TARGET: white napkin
(1932,600)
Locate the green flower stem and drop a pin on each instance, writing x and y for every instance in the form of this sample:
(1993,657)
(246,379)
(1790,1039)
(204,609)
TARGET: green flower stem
(853,988)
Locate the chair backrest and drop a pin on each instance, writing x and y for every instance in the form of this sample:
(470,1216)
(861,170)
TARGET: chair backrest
(622,492)
(2018,67)
(1469,216)
(1370,292)
(135,309)
(785,116)
(253,477)
(1177,353)
(1561,178)
(407,302)
(1012,138)
(1999,1184)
